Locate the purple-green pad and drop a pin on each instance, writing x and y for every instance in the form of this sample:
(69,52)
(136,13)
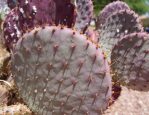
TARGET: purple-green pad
(58,71)
(130,61)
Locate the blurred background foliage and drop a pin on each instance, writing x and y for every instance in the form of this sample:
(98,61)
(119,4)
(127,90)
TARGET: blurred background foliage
(139,6)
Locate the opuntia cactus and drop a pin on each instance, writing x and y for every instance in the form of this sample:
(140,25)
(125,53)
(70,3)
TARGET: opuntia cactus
(11,28)
(58,71)
(25,17)
(84,14)
(108,10)
(65,13)
(47,11)
(130,58)
(36,12)
(32,13)
(116,26)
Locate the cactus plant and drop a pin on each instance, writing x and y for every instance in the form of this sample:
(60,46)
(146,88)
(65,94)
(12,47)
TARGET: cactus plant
(48,11)
(36,12)
(130,58)
(116,26)
(65,13)
(61,72)
(11,28)
(84,14)
(108,10)
(22,18)
(32,13)
(57,70)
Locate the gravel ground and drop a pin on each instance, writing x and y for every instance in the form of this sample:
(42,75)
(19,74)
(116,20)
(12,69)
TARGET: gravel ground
(130,102)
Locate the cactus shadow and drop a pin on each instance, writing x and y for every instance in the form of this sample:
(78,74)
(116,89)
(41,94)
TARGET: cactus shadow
(139,86)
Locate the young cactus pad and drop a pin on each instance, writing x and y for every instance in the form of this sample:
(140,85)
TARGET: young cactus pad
(130,61)
(108,10)
(58,71)
(116,26)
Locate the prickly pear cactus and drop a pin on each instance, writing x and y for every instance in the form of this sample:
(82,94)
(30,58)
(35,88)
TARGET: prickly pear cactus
(58,71)
(32,13)
(65,13)
(108,10)
(116,26)
(84,14)
(130,58)
(11,29)
(36,12)
(27,15)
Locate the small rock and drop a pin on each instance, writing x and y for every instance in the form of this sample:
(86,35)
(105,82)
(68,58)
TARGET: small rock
(3,95)
(19,109)
(130,102)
